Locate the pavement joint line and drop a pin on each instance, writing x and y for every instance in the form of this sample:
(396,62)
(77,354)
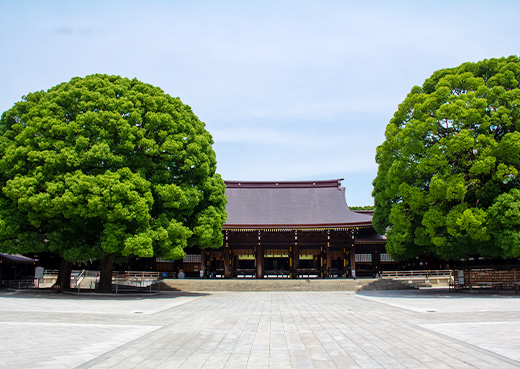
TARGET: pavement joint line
(116,350)
(469,345)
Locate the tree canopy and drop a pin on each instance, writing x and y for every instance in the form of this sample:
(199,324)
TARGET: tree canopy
(365,207)
(448,175)
(105,165)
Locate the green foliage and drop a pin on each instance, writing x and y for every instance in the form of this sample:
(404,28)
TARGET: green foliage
(106,165)
(449,162)
(504,221)
(366,207)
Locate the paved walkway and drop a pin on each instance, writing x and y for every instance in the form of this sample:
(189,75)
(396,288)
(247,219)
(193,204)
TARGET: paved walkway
(392,329)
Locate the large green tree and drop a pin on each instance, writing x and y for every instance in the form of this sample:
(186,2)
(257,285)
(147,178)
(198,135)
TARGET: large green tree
(449,167)
(105,166)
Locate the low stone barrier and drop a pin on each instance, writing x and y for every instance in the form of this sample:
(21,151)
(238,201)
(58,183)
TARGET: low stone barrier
(280,284)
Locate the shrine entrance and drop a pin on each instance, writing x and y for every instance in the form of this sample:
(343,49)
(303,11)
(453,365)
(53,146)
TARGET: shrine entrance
(309,262)
(338,263)
(277,263)
(214,264)
(244,262)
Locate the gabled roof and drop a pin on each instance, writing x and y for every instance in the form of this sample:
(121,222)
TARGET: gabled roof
(293,205)
(17,258)
(370,237)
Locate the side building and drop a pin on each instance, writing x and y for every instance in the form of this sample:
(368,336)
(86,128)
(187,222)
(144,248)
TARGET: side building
(289,230)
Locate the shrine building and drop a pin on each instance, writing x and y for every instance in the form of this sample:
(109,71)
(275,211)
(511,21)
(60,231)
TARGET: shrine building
(297,229)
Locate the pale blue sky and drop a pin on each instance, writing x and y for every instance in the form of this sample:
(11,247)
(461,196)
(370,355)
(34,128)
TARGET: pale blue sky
(290,90)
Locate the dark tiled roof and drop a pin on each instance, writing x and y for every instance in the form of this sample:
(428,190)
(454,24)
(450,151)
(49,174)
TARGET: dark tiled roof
(371,238)
(17,258)
(290,204)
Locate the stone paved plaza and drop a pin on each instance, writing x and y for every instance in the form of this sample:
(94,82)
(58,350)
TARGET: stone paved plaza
(393,329)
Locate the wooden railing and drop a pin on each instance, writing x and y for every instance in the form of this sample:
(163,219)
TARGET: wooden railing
(92,273)
(137,279)
(128,278)
(50,273)
(76,276)
(18,284)
(423,274)
(136,275)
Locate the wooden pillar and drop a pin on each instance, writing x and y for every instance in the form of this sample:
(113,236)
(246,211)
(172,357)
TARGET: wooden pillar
(227,262)
(295,260)
(259,259)
(203,262)
(352,261)
(294,257)
(376,261)
(323,262)
(328,260)
(345,262)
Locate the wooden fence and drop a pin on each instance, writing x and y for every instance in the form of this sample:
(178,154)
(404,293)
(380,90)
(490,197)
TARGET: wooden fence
(494,279)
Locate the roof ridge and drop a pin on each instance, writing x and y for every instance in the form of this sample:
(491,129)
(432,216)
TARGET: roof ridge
(284,184)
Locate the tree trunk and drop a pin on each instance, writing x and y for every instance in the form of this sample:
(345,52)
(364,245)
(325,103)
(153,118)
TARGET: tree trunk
(105,276)
(63,280)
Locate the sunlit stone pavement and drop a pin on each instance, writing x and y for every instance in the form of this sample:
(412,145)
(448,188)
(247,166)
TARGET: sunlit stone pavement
(392,329)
